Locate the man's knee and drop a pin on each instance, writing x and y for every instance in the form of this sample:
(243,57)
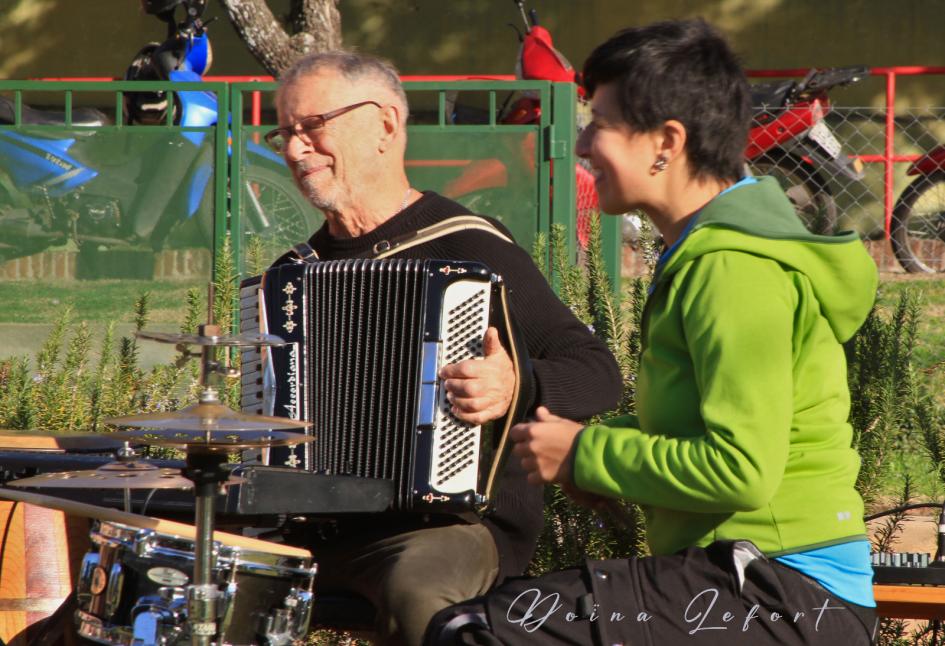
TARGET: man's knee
(426,566)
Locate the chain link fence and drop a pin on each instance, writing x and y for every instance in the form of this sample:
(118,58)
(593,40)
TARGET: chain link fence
(829,199)
(859,194)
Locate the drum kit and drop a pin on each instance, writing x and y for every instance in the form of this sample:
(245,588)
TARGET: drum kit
(153,581)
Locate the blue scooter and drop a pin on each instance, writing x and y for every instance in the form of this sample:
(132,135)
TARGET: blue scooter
(111,190)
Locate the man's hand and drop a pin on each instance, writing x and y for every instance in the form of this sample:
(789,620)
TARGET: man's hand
(544,446)
(481,389)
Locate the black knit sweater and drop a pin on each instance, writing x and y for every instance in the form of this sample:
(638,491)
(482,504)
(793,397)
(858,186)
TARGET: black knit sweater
(573,373)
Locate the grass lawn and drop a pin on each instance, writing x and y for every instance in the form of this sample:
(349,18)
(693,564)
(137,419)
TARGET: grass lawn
(31,308)
(93,301)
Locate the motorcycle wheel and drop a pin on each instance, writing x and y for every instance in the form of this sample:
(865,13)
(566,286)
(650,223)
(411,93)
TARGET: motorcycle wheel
(272,210)
(271,198)
(805,189)
(917,233)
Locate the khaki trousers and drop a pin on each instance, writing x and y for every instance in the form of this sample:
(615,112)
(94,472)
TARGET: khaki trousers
(408,576)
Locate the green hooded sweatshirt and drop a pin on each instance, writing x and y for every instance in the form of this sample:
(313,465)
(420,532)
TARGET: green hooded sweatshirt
(741,429)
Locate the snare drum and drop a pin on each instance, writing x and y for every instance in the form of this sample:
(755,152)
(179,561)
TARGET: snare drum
(132,589)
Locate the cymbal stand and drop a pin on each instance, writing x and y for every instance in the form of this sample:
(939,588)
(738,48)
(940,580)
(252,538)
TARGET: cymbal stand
(126,454)
(205,467)
(205,470)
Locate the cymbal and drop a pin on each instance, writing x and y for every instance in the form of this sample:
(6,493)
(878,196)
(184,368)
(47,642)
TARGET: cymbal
(115,475)
(235,340)
(214,417)
(214,440)
(32,440)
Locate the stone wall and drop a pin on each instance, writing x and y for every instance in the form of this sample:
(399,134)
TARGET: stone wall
(67,265)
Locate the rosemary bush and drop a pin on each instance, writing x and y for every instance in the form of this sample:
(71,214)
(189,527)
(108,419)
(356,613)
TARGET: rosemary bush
(892,414)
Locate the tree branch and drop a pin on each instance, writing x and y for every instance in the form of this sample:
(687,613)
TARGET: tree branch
(316,27)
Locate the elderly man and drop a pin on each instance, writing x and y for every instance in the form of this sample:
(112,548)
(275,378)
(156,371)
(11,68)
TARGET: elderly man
(342,132)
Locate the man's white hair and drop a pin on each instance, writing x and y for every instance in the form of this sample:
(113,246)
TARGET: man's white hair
(351,65)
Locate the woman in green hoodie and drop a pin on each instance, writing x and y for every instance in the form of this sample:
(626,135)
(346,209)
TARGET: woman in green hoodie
(740,453)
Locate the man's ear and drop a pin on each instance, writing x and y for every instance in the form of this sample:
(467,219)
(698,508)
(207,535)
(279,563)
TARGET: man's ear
(391,123)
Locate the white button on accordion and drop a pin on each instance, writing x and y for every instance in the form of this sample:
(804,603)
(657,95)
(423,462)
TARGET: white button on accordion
(366,339)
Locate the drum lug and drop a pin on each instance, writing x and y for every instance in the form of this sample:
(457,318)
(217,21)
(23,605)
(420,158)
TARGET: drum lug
(227,603)
(289,624)
(302,611)
(83,588)
(116,580)
(275,628)
(153,627)
(144,543)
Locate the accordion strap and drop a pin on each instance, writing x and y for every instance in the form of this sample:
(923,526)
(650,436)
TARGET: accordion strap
(518,355)
(454,224)
(304,253)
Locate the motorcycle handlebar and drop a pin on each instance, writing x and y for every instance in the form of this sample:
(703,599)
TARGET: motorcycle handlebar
(825,79)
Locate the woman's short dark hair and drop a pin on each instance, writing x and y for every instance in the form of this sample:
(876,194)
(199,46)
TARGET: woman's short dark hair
(682,70)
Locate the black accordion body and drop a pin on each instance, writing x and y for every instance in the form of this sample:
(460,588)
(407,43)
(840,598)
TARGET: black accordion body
(365,340)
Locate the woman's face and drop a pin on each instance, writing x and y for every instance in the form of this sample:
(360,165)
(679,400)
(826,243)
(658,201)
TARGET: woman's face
(621,160)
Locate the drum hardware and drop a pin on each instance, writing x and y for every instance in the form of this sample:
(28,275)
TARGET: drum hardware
(267,587)
(261,594)
(172,608)
(115,475)
(207,430)
(72,441)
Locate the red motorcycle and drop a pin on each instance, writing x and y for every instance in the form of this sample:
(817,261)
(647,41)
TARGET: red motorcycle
(791,141)
(917,232)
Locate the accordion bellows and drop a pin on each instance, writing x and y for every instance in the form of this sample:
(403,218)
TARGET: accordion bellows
(365,340)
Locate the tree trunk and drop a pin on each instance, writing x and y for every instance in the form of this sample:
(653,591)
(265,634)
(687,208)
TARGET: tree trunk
(315,27)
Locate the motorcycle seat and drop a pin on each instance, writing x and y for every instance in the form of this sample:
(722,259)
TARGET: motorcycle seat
(84,117)
(771,95)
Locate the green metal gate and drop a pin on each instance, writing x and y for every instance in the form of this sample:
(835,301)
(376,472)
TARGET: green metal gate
(91,214)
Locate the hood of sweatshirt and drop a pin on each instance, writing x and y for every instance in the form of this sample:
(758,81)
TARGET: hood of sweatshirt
(758,218)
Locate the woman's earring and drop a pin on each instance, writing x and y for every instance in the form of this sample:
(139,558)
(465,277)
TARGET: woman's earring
(660,164)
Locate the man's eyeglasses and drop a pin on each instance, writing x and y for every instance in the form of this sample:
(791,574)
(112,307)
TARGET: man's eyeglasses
(308,127)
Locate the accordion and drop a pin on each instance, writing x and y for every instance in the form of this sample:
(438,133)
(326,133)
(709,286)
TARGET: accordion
(365,341)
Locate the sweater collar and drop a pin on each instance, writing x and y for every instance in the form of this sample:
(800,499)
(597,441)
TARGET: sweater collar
(328,246)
